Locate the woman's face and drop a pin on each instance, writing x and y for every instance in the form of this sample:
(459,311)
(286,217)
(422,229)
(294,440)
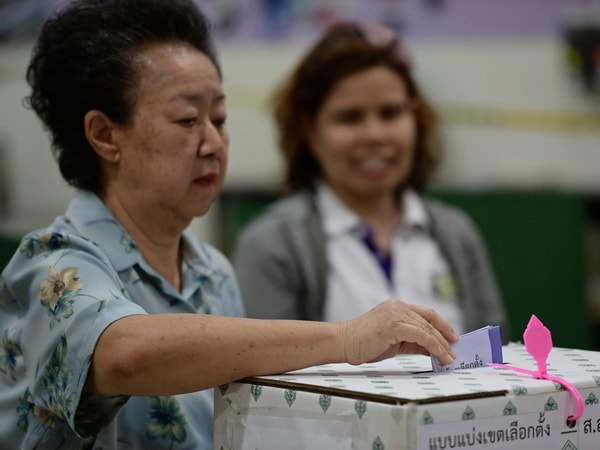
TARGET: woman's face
(364,135)
(173,156)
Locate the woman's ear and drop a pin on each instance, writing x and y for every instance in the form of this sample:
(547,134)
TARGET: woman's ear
(99,131)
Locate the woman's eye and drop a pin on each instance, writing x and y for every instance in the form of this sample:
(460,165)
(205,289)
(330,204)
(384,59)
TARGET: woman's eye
(190,121)
(391,112)
(219,123)
(350,116)
(394,111)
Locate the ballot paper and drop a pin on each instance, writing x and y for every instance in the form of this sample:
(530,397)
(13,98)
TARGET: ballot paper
(474,349)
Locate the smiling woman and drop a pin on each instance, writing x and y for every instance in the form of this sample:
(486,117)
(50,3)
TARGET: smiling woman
(115,321)
(364,135)
(355,227)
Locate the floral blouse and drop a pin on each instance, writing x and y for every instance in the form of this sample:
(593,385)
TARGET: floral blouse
(62,288)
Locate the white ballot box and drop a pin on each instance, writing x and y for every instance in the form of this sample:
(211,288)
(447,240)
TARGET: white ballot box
(401,404)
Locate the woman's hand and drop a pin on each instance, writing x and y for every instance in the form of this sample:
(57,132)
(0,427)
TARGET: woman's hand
(395,327)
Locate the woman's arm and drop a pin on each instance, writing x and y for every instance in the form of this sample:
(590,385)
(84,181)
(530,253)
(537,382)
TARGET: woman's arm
(167,354)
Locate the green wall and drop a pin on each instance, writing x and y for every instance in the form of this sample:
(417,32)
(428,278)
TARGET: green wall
(537,245)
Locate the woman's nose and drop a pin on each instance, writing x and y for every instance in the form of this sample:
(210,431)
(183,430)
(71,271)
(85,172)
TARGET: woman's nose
(374,128)
(213,141)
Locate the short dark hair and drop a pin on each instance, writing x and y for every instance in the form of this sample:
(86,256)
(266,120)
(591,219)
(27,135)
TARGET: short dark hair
(83,60)
(344,49)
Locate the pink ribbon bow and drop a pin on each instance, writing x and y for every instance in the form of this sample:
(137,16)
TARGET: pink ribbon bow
(538,343)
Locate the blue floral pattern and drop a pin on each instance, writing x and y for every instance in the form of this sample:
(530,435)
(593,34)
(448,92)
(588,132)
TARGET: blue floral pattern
(65,285)
(166,419)
(9,352)
(46,242)
(128,244)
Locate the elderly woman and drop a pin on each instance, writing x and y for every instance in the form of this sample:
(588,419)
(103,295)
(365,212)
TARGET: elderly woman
(358,139)
(115,322)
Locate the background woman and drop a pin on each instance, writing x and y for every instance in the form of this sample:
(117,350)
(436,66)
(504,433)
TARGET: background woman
(358,139)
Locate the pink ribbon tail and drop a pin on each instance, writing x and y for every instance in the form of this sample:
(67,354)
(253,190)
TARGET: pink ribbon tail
(573,391)
(546,376)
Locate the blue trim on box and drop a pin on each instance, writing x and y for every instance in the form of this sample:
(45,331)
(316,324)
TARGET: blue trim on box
(496,344)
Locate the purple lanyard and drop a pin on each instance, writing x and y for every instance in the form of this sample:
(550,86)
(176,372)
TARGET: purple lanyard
(384,260)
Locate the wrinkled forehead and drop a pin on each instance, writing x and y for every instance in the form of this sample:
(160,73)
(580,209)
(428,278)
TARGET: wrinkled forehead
(162,71)
(165,58)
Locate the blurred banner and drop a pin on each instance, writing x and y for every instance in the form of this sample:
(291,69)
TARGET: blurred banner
(20,19)
(291,19)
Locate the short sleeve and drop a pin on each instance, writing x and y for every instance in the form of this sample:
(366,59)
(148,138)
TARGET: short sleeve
(67,294)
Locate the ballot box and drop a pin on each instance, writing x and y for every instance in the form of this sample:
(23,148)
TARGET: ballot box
(402,404)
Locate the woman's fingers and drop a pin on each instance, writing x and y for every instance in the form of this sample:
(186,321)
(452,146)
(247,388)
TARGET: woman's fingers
(395,327)
(431,342)
(435,320)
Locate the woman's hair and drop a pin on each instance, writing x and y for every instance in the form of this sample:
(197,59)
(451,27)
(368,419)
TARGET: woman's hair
(84,60)
(345,49)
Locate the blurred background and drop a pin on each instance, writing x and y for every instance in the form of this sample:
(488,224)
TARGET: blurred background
(517,87)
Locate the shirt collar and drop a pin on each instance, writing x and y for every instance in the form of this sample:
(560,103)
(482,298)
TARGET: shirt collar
(338,218)
(94,221)
(415,215)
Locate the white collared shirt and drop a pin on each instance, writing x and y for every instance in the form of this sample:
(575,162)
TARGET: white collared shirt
(356,282)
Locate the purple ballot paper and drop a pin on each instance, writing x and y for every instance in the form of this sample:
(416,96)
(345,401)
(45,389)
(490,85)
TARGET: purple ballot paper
(474,349)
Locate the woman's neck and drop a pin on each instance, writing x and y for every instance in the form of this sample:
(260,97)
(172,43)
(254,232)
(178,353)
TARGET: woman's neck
(159,245)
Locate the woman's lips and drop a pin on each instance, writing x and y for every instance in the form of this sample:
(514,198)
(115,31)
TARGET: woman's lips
(207,180)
